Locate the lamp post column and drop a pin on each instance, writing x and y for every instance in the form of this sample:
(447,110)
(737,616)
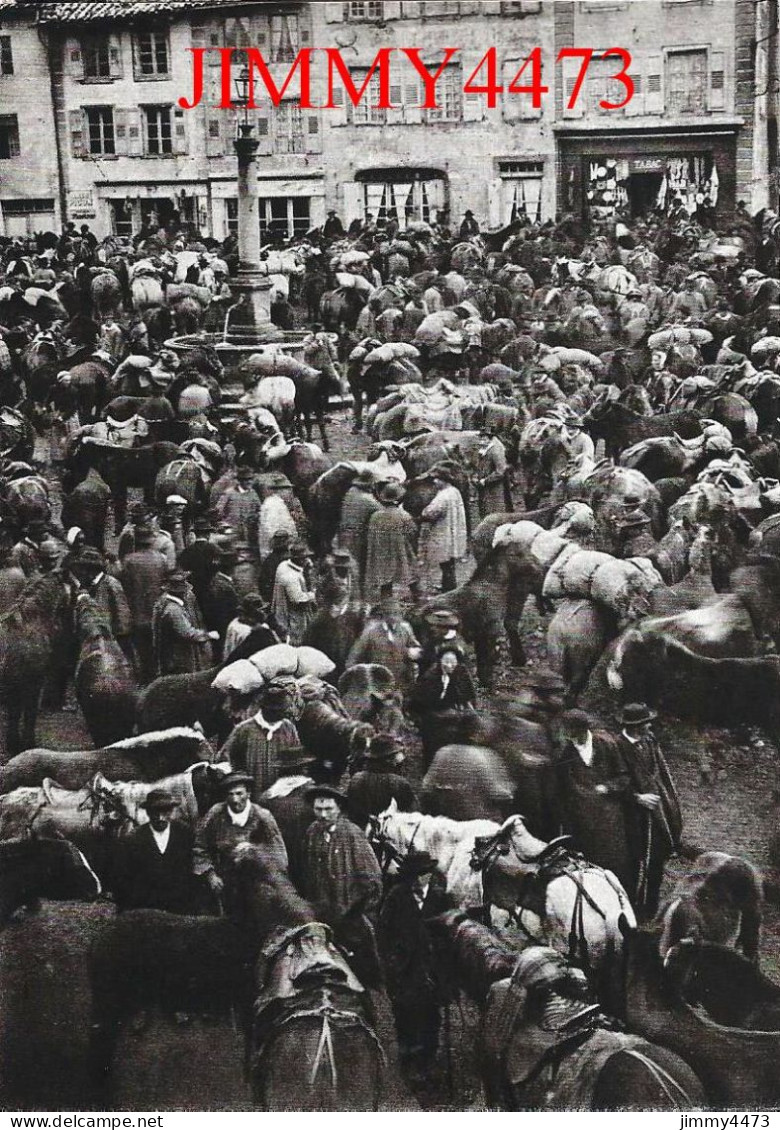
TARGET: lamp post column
(252,286)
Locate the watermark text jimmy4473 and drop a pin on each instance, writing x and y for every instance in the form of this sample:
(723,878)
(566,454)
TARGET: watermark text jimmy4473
(323,68)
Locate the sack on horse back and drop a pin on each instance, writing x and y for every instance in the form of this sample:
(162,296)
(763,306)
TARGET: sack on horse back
(618,584)
(543,546)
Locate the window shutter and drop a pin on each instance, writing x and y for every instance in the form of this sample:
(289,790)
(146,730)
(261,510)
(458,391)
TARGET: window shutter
(313,137)
(261,31)
(115,56)
(517,107)
(717,80)
(495,188)
(135,136)
(77,126)
(570,68)
(334,13)
(264,134)
(73,63)
(397,101)
(474,105)
(654,85)
(215,133)
(391,11)
(338,115)
(636,105)
(530,7)
(413,97)
(179,138)
(198,35)
(354,206)
(120,132)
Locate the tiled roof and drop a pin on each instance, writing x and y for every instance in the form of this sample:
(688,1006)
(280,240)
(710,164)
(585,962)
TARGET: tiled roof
(76,11)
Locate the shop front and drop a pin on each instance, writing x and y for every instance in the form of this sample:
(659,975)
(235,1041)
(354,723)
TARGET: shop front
(606,176)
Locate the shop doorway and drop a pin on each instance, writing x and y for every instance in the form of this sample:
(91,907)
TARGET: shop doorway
(643,190)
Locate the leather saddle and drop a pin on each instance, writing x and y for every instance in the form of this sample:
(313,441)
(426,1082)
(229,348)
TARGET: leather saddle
(294,960)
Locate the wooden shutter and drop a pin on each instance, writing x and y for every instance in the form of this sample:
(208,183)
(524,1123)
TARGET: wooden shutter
(338,115)
(518,107)
(717,80)
(474,105)
(495,188)
(121,140)
(354,207)
(135,133)
(73,62)
(261,31)
(413,99)
(77,125)
(115,56)
(179,131)
(636,105)
(198,35)
(264,135)
(215,132)
(397,101)
(334,13)
(570,68)
(312,125)
(654,85)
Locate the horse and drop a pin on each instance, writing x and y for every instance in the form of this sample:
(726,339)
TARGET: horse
(104,682)
(121,468)
(33,867)
(572,1060)
(196,790)
(720,901)
(489,604)
(30,635)
(147,757)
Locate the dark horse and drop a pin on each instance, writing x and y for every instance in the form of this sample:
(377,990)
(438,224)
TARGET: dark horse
(489,606)
(105,688)
(35,867)
(583,1064)
(30,636)
(120,468)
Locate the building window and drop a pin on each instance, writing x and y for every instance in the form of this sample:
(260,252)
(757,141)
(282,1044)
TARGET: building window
(449,97)
(237,32)
(9,136)
(6,56)
(158,130)
(288,128)
(100,127)
(96,56)
(521,195)
(366,112)
(602,87)
(231,215)
(151,56)
(686,82)
(404,197)
(285,37)
(284,217)
(368,10)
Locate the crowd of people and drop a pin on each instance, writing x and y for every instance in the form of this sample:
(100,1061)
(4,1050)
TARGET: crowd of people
(184,591)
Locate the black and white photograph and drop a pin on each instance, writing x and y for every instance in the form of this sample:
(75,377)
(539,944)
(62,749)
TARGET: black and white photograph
(390,557)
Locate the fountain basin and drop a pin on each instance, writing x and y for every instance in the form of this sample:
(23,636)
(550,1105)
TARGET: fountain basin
(236,347)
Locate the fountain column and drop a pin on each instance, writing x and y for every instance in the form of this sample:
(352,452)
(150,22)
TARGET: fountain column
(252,286)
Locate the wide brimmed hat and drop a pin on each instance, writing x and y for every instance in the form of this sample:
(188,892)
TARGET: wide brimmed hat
(90,558)
(253,603)
(275,696)
(315,791)
(442,618)
(294,757)
(637,714)
(391,492)
(176,577)
(233,779)
(159,800)
(384,747)
(417,863)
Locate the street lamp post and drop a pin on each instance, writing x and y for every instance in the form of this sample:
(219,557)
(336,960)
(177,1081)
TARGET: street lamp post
(252,286)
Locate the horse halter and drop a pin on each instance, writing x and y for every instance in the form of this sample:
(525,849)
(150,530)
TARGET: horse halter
(387,852)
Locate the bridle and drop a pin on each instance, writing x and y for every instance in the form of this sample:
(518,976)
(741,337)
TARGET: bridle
(387,852)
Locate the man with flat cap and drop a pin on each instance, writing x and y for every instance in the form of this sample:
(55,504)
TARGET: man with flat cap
(233,821)
(154,862)
(342,880)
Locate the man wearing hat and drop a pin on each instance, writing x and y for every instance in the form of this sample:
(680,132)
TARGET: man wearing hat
(200,557)
(412,967)
(636,537)
(280,551)
(652,807)
(293,603)
(249,631)
(442,628)
(492,469)
(143,575)
(358,507)
(141,515)
(154,862)
(443,534)
(255,745)
(388,640)
(468,225)
(333,227)
(218,601)
(287,800)
(227,824)
(371,789)
(87,507)
(342,880)
(239,506)
(390,540)
(179,646)
(108,594)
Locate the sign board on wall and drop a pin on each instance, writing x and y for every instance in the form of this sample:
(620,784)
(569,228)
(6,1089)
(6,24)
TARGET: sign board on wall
(647,164)
(81,205)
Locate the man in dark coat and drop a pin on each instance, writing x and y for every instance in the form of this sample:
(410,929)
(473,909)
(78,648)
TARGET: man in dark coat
(255,745)
(356,511)
(107,593)
(280,551)
(371,789)
(180,647)
(342,881)
(653,807)
(87,507)
(286,799)
(200,558)
(143,576)
(154,862)
(390,538)
(218,601)
(411,967)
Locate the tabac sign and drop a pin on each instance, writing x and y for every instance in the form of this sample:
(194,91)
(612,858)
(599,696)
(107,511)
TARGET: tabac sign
(647,164)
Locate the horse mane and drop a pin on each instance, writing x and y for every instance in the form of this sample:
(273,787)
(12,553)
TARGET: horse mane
(479,957)
(161,738)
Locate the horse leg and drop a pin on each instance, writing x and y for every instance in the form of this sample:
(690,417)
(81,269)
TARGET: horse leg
(13,726)
(517,654)
(484,651)
(119,500)
(321,409)
(30,716)
(749,932)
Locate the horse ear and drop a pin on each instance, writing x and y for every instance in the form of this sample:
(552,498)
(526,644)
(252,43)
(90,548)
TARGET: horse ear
(392,806)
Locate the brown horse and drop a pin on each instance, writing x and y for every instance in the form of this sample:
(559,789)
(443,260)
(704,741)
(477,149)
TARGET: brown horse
(105,688)
(30,637)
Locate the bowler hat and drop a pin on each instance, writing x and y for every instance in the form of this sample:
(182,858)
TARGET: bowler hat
(637,714)
(176,577)
(202,525)
(90,558)
(253,603)
(417,863)
(159,800)
(315,791)
(294,757)
(281,537)
(442,618)
(232,779)
(384,747)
